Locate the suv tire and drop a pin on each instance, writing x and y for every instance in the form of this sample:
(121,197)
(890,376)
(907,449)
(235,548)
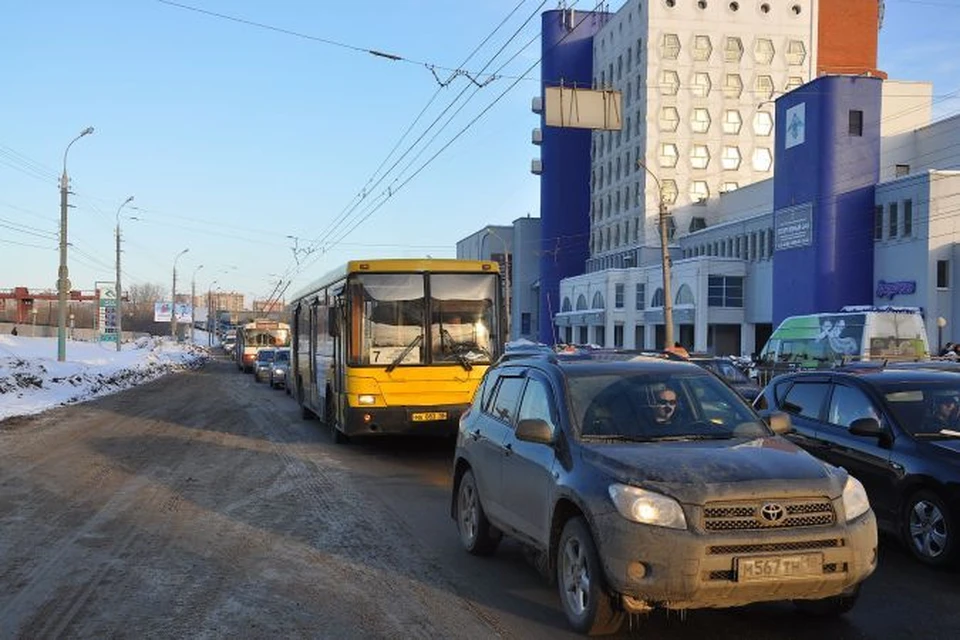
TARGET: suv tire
(587,603)
(478,536)
(929,529)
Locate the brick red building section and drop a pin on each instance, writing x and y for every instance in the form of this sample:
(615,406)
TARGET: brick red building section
(848,33)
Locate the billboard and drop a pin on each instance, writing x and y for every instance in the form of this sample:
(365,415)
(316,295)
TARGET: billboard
(107,311)
(583,108)
(162,312)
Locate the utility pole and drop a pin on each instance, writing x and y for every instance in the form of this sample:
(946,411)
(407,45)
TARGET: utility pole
(119,308)
(173,296)
(664,260)
(63,274)
(193,301)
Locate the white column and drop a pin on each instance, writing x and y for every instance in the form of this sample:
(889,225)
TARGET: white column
(748,335)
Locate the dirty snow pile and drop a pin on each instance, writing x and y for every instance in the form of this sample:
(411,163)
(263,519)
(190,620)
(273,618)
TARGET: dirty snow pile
(32,380)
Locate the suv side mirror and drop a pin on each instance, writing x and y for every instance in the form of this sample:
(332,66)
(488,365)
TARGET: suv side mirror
(869,427)
(778,421)
(535,430)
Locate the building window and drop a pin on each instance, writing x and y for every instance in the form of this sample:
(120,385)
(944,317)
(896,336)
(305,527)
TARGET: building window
(668,155)
(702,48)
(943,274)
(753,246)
(669,82)
(902,170)
(699,191)
(701,84)
(641,292)
(894,222)
(725,291)
(732,121)
(770,243)
(701,120)
(856,122)
(878,222)
(733,49)
(699,156)
(657,300)
(763,51)
(582,331)
(732,85)
(599,336)
(669,119)
(762,159)
(525,323)
(618,336)
(568,335)
(907,218)
(670,46)
(796,52)
(730,160)
(618,296)
(763,123)
(763,86)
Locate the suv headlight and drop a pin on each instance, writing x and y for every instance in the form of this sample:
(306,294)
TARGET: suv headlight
(855,501)
(647,507)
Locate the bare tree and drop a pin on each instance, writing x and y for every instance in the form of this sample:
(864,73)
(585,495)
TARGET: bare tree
(138,306)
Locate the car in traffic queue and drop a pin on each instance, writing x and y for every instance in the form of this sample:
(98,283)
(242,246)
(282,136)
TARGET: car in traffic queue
(280,369)
(897,430)
(644,483)
(263,364)
(733,376)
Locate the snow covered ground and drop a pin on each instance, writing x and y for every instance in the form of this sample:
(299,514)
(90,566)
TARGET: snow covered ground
(32,380)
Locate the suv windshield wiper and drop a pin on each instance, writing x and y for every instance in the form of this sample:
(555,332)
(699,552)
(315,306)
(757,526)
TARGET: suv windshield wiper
(403,354)
(692,436)
(614,438)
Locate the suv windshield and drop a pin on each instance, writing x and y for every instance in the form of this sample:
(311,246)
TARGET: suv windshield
(650,406)
(265,356)
(283,356)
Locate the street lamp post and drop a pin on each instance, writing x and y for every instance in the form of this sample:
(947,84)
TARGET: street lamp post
(506,278)
(193,301)
(63,276)
(118,292)
(664,259)
(173,296)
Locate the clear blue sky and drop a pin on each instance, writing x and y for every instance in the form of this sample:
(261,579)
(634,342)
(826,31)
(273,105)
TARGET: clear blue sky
(233,137)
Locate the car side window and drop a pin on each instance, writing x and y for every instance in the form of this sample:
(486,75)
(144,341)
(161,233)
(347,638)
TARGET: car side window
(848,404)
(506,398)
(805,399)
(538,403)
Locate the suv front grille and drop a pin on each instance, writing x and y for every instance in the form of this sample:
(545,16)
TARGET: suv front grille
(774,547)
(767,514)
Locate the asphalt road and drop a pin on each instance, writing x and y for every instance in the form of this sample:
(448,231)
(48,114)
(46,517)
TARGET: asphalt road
(201,505)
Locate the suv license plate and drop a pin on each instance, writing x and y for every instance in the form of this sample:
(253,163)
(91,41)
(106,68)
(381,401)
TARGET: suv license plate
(429,416)
(772,568)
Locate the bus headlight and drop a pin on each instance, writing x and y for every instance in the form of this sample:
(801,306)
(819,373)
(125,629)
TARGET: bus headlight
(367,398)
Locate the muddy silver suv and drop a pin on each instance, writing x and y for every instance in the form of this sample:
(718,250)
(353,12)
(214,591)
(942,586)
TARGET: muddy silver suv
(643,483)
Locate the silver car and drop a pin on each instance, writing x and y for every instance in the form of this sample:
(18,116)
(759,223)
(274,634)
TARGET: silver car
(280,369)
(264,364)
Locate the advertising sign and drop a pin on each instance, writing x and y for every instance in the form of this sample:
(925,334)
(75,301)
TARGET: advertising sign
(900,287)
(796,125)
(793,227)
(162,312)
(107,313)
(184,312)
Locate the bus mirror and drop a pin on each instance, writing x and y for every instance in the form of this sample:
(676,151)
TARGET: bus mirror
(333,322)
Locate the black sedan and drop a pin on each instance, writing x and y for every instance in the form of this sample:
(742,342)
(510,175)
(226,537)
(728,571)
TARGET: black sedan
(898,432)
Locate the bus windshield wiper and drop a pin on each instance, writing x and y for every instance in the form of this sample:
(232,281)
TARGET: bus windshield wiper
(403,354)
(457,353)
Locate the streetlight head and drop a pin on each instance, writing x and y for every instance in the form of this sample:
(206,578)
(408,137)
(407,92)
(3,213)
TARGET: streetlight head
(128,200)
(86,131)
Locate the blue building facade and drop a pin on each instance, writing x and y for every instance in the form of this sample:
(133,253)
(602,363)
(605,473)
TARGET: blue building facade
(827,165)
(567,58)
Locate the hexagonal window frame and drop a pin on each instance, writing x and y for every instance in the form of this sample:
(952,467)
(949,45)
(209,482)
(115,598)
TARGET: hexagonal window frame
(763,87)
(763,123)
(764,51)
(796,52)
(700,84)
(733,49)
(732,126)
(698,195)
(762,159)
(699,156)
(668,160)
(669,82)
(700,120)
(666,122)
(669,191)
(702,48)
(732,85)
(670,46)
(793,82)
(731,161)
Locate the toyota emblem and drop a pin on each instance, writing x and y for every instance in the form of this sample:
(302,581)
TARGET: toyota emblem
(772,513)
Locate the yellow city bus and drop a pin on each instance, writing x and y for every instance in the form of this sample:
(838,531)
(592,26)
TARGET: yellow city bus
(395,346)
(255,335)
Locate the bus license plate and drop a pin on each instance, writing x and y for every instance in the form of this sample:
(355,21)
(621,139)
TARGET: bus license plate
(779,567)
(429,416)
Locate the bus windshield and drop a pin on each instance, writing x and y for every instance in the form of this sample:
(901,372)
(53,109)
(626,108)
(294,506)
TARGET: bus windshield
(390,314)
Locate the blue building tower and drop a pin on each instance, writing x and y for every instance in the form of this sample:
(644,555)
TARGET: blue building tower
(827,163)
(567,58)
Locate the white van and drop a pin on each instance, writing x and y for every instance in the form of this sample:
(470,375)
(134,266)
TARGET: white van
(856,333)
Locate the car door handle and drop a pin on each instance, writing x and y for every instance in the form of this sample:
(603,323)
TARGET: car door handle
(507,449)
(475,434)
